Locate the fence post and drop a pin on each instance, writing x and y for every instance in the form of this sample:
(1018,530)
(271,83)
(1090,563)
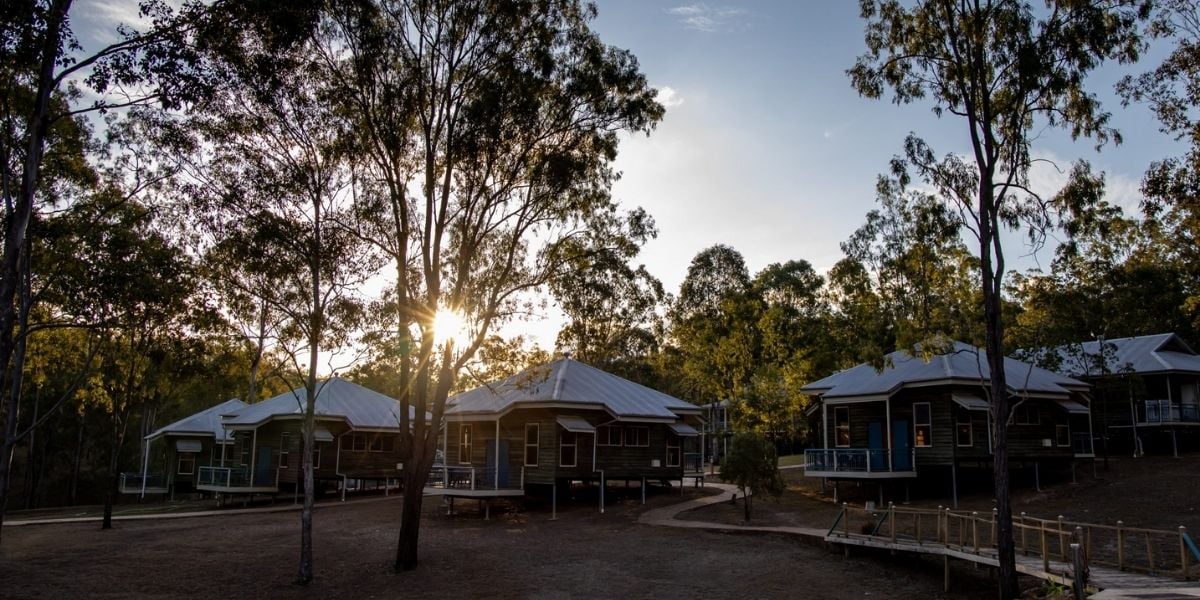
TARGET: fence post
(975,530)
(1077,566)
(1045,549)
(892,519)
(846,518)
(1149,552)
(993,538)
(1024,546)
(1120,545)
(1062,539)
(917,525)
(1183,557)
(938,533)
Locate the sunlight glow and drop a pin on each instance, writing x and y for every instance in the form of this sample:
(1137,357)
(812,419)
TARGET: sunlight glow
(449,326)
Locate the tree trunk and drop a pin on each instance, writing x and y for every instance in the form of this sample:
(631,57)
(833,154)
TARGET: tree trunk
(746,504)
(410,521)
(76,460)
(16,378)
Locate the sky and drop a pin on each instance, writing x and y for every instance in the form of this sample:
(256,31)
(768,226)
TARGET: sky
(765,147)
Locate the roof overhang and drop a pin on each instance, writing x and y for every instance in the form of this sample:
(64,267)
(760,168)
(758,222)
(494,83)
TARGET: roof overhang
(575,424)
(970,402)
(1073,407)
(683,429)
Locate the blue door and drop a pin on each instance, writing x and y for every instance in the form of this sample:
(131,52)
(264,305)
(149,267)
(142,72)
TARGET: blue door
(901,447)
(262,467)
(491,463)
(875,443)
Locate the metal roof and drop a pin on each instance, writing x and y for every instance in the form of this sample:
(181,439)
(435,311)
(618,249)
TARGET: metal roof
(1142,354)
(575,424)
(970,401)
(964,364)
(362,408)
(683,429)
(204,423)
(567,381)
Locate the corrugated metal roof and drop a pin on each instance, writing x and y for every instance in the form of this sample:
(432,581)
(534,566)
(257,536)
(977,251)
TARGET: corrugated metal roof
(965,363)
(1142,354)
(1073,407)
(361,407)
(683,429)
(204,423)
(970,402)
(568,381)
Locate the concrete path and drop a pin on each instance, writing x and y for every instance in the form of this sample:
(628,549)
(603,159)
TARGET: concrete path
(192,514)
(665,516)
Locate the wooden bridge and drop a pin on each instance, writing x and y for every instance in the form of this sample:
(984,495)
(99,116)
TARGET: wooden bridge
(1114,557)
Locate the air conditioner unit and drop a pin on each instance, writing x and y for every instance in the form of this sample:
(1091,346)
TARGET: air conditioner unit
(655,463)
(1047,442)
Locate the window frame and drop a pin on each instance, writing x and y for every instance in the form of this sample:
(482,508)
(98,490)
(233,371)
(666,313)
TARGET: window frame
(927,425)
(1064,424)
(536,445)
(376,444)
(188,457)
(1022,413)
(605,439)
(958,423)
(316,455)
(465,440)
(563,436)
(634,443)
(284,448)
(676,444)
(838,426)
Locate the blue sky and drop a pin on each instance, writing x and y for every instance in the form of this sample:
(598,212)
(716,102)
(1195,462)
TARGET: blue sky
(765,146)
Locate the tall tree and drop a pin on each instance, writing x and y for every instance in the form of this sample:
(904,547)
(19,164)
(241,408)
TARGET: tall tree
(502,119)
(1004,69)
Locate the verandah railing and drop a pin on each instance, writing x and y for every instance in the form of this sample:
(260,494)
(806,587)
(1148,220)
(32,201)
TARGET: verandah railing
(132,483)
(1164,411)
(474,478)
(235,477)
(1155,551)
(859,460)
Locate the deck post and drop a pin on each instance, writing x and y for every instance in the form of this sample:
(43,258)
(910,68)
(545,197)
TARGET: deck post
(554,500)
(888,406)
(602,492)
(1174,444)
(1062,539)
(643,490)
(975,530)
(846,518)
(1183,557)
(954,482)
(1037,477)
(1077,572)
(1120,545)
(497,465)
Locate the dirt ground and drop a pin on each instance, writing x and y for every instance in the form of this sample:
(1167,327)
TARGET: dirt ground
(519,553)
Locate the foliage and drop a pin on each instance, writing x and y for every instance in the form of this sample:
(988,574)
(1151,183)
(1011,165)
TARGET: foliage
(753,466)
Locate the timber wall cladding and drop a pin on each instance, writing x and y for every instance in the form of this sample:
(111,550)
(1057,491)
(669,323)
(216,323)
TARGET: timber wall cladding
(616,461)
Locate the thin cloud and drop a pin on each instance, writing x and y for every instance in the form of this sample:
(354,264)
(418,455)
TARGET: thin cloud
(668,97)
(710,19)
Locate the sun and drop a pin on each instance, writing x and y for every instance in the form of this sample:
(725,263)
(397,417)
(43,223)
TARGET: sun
(449,326)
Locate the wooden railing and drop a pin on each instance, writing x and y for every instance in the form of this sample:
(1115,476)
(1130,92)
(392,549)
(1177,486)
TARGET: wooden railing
(859,460)
(1154,551)
(473,478)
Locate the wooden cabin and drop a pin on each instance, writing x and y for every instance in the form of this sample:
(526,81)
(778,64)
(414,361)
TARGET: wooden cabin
(918,418)
(1146,388)
(189,444)
(356,434)
(563,422)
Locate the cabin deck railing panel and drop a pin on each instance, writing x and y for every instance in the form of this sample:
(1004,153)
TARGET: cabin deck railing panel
(236,477)
(1082,444)
(475,478)
(1152,412)
(132,483)
(852,461)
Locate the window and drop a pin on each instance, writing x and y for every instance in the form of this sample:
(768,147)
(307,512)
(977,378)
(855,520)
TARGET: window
(922,425)
(376,444)
(841,426)
(673,453)
(608,435)
(187,463)
(389,443)
(566,449)
(285,445)
(533,432)
(244,450)
(464,444)
(637,436)
(1027,414)
(964,433)
(316,456)
(354,442)
(1062,433)
(214,457)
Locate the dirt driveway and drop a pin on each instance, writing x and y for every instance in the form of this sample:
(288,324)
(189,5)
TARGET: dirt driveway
(517,554)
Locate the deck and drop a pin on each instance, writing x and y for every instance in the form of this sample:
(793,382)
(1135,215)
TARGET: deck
(860,463)
(137,483)
(1114,557)
(237,480)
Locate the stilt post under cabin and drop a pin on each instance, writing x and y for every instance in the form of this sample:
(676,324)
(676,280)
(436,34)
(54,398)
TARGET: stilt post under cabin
(1037,477)
(1174,443)
(954,482)
(554,501)
(601,492)
(643,490)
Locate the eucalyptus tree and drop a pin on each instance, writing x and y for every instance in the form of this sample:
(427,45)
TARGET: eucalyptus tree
(612,307)
(487,129)
(1006,70)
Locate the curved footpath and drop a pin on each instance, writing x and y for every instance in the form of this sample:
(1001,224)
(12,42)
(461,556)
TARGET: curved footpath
(665,516)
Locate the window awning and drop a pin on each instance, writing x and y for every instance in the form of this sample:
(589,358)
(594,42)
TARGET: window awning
(1073,407)
(683,429)
(187,445)
(321,434)
(970,402)
(576,424)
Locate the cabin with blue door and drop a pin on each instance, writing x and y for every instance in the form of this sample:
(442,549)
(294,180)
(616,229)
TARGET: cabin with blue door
(925,417)
(562,422)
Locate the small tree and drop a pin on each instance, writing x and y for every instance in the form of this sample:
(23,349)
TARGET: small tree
(752,465)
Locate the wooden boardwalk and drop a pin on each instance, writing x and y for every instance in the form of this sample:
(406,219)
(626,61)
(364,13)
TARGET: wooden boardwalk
(1042,548)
